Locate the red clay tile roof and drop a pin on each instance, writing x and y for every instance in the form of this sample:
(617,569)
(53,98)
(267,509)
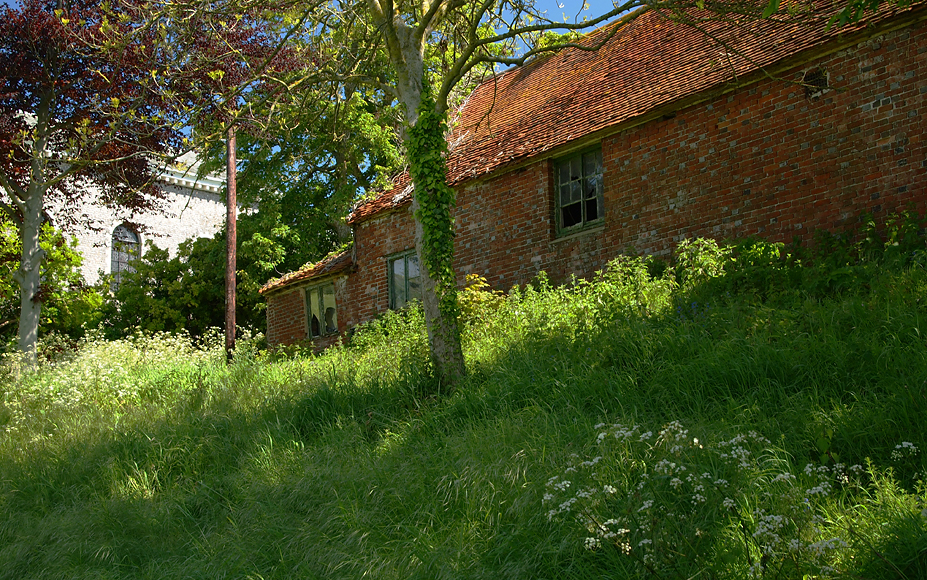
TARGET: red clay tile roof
(329,265)
(650,63)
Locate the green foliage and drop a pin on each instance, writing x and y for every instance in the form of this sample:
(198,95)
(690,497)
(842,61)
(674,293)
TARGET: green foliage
(552,38)
(187,292)
(148,457)
(842,262)
(68,304)
(477,299)
(428,169)
(854,10)
(331,151)
(669,504)
(700,260)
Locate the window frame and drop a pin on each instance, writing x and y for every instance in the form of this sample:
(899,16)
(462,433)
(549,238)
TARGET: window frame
(318,291)
(120,249)
(563,163)
(392,294)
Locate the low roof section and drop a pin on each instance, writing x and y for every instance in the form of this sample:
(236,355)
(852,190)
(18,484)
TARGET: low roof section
(650,64)
(332,264)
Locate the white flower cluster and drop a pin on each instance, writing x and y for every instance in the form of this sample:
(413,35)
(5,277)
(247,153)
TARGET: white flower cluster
(736,448)
(673,483)
(767,531)
(904,450)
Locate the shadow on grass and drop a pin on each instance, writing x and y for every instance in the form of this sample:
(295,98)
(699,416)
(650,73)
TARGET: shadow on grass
(341,476)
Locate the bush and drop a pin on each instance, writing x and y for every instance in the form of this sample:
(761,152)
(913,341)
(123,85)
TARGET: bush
(69,305)
(187,292)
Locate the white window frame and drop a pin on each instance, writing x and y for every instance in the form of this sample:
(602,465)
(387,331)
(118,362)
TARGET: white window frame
(120,259)
(321,301)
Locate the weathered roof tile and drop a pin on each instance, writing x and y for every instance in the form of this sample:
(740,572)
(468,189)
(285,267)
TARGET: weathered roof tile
(331,264)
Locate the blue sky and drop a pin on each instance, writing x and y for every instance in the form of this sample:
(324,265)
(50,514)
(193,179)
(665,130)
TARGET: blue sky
(571,7)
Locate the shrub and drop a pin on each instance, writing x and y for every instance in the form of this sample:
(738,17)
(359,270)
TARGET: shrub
(69,305)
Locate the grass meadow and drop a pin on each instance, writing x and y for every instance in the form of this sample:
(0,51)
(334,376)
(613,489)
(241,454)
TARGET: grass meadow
(748,412)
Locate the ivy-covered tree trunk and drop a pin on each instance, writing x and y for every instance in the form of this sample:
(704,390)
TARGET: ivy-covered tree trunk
(434,239)
(433,198)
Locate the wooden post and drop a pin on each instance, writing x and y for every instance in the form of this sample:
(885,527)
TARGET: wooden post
(231,246)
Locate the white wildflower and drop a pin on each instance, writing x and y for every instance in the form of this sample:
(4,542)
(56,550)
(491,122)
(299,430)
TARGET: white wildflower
(592,543)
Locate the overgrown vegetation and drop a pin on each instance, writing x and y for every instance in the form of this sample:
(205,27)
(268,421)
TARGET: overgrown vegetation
(69,304)
(186,293)
(751,410)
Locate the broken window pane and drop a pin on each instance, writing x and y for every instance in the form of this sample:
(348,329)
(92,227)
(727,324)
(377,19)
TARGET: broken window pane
(592,209)
(580,190)
(572,215)
(576,169)
(577,191)
(323,314)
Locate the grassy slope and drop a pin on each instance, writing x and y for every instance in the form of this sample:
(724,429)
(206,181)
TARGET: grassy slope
(165,464)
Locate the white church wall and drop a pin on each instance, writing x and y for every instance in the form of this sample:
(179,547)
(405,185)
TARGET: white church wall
(194,208)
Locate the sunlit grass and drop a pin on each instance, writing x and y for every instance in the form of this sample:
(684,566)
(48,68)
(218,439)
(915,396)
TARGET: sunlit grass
(150,458)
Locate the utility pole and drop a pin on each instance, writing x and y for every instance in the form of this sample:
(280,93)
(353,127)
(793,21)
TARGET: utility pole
(231,245)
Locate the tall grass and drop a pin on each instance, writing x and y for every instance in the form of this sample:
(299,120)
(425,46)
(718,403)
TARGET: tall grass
(150,458)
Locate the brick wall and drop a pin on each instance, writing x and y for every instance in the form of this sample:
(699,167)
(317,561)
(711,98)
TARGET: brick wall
(286,313)
(286,316)
(367,291)
(765,160)
(768,161)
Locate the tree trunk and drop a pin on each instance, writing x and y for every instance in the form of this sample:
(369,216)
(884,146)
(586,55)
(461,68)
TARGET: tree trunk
(406,49)
(443,331)
(443,326)
(29,276)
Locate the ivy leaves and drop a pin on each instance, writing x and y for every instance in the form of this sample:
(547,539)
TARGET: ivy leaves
(427,167)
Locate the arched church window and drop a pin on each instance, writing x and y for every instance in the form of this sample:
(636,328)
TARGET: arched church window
(126,247)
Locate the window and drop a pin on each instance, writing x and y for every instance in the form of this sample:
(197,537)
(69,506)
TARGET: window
(579,191)
(323,316)
(405,280)
(815,83)
(125,249)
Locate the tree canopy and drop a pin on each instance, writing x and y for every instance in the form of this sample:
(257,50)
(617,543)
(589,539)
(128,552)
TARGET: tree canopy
(70,116)
(96,99)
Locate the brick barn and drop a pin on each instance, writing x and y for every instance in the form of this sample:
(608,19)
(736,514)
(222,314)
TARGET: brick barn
(774,129)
